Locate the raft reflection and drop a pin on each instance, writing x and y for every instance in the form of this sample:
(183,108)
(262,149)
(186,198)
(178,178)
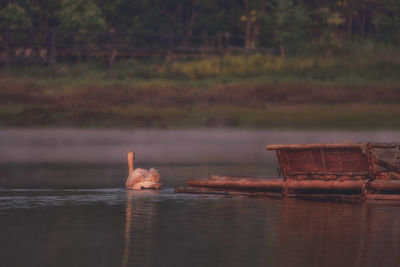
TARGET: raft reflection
(338,234)
(218,231)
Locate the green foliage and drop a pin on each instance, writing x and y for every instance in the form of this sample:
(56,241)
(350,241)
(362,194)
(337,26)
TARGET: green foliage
(81,15)
(349,64)
(387,21)
(291,22)
(331,21)
(14,16)
(287,25)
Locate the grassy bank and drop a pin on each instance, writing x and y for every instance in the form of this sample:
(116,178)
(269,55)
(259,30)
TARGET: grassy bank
(275,116)
(342,90)
(349,65)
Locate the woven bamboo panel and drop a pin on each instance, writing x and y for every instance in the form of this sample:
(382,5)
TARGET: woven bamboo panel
(387,152)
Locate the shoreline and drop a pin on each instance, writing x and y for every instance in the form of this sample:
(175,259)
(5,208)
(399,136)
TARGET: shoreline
(273,116)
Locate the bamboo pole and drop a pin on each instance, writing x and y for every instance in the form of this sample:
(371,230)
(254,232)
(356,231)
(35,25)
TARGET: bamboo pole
(275,184)
(385,185)
(239,183)
(332,196)
(314,146)
(227,177)
(382,197)
(325,185)
(131,159)
(385,145)
(221,191)
(375,190)
(337,173)
(395,175)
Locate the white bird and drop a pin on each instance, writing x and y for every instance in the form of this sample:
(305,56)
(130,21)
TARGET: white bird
(141,178)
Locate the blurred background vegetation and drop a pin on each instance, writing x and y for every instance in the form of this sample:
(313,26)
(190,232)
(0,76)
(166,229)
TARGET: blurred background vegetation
(200,63)
(289,25)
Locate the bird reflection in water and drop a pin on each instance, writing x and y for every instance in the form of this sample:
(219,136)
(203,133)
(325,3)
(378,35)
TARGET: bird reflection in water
(139,212)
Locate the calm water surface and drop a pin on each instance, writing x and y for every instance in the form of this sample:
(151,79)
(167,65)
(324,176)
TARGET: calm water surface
(62,203)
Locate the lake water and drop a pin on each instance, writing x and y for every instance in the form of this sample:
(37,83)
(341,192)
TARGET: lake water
(62,203)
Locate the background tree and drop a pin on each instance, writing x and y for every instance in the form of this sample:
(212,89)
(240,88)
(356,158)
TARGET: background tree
(14,16)
(291,25)
(284,24)
(81,15)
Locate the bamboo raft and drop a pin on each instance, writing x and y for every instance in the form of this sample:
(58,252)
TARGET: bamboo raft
(344,170)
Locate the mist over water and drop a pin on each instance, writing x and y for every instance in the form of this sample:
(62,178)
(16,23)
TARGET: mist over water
(164,146)
(63,203)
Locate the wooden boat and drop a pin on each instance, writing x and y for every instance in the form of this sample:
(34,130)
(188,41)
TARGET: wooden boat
(366,170)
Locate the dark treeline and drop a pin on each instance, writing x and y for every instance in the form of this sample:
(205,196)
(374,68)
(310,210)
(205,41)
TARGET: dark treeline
(283,24)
